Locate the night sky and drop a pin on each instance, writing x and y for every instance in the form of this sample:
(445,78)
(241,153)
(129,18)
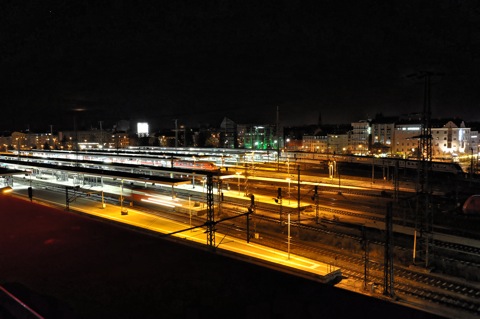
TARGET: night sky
(199,61)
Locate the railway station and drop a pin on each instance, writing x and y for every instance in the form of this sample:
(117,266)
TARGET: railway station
(244,206)
(87,182)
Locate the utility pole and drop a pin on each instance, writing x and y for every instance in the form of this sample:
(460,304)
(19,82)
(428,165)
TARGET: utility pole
(251,210)
(278,200)
(396,182)
(277,131)
(316,200)
(424,214)
(220,195)
(101,133)
(76,139)
(388,255)
(373,170)
(298,196)
(176,133)
(52,141)
(472,171)
(210,213)
(364,244)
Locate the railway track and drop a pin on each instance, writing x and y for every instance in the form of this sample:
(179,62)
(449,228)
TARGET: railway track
(465,249)
(271,211)
(456,296)
(431,288)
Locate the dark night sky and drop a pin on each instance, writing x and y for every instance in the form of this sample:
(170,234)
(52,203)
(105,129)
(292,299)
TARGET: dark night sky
(203,60)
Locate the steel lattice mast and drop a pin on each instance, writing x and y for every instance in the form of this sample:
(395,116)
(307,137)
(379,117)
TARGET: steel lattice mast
(210,212)
(424,214)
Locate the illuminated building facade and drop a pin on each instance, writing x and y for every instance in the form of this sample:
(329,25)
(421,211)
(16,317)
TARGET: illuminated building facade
(359,140)
(318,144)
(257,137)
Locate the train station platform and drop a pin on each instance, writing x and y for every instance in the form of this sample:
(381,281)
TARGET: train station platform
(225,245)
(280,259)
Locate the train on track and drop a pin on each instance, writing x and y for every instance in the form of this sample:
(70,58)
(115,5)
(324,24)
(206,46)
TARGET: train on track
(201,165)
(207,159)
(472,205)
(411,164)
(112,158)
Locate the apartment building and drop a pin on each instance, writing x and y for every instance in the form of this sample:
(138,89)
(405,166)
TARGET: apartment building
(359,139)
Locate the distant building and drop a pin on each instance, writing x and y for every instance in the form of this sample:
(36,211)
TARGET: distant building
(383,136)
(29,140)
(229,133)
(333,139)
(337,143)
(475,142)
(6,141)
(406,139)
(450,141)
(359,140)
(317,144)
(257,137)
(94,139)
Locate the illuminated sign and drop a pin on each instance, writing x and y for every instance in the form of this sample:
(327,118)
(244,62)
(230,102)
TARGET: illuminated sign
(142,128)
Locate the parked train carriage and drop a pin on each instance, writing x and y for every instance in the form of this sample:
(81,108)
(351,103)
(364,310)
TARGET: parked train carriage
(411,164)
(201,165)
(472,205)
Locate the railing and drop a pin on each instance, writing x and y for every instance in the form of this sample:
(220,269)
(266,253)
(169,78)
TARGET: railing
(13,306)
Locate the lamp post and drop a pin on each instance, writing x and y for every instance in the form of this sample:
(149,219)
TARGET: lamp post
(123,210)
(103,200)
(471,163)
(190,209)
(288,237)
(338,173)
(373,170)
(298,197)
(121,196)
(253,162)
(289,179)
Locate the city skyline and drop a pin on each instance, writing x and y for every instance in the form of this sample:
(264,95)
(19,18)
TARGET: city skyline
(82,121)
(200,63)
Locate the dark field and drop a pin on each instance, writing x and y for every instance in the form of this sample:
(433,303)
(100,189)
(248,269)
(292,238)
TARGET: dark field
(68,266)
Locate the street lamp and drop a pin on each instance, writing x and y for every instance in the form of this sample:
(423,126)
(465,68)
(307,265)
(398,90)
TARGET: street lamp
(289,179)
(203,184)
(288,236)
(103,200)
(338,173)
(123,210)
(190,209)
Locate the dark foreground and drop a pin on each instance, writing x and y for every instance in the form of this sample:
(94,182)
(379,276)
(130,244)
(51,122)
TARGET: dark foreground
(69,266)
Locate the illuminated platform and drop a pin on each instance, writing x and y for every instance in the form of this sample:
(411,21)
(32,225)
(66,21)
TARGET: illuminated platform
(229,246)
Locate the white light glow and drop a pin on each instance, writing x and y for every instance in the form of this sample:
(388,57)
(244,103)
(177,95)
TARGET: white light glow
(142,128)
(162,201)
